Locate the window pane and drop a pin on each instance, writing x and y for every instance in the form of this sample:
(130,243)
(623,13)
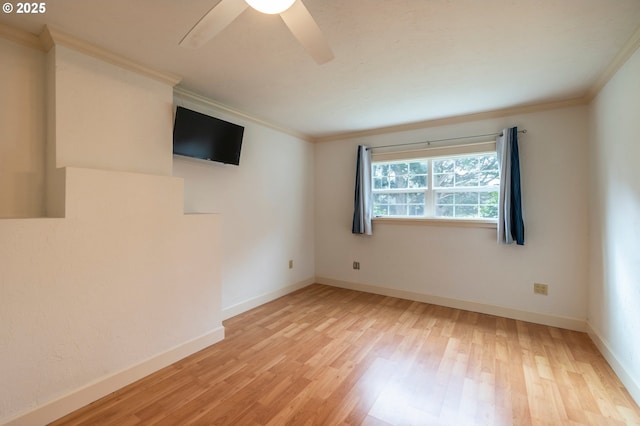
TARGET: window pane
(488,162)
(444,211)
(391,198)
(443,180)
(465,178)
(416,210)
(380,183)
(418,168)
(389,182)
(399,168)
(444,198)
(392,182)
(477,171)
(443,166)
(398,198)
(418,182)
(467,164)
(380,170)
(489,205)
(466,211)
(488,178)
(415,198)
(380,199)
(398,181)
(489,197)
(398,210)
(466,198)
(489,212)
(380,210)
(488,170)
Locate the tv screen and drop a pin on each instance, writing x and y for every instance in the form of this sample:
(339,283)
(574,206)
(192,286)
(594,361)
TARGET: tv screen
(201,136)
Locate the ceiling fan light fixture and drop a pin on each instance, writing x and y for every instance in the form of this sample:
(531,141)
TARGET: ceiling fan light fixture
(270,7)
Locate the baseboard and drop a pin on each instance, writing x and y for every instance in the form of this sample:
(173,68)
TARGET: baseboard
(239,308)
(534,317)
(623,374)
(66,404)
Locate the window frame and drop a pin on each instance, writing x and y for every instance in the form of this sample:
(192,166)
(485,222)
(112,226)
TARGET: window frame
(430,154)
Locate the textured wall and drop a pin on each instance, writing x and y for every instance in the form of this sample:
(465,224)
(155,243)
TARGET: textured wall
(124,283)
(22,149)
(267,210)
(614,292)
(466,263)
(108,117)
(104,288)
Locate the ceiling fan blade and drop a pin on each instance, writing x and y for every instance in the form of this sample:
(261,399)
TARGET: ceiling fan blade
(305,29)
(213,22)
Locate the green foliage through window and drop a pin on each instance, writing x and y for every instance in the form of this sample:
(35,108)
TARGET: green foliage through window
(459,187)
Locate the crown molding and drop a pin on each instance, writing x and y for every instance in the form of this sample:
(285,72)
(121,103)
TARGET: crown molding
(623,55)
(498,113)
(628,49)
(51,36)
(22,37)
(188,95)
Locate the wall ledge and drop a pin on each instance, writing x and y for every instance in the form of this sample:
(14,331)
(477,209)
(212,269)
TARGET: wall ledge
(78,398)
(534,317)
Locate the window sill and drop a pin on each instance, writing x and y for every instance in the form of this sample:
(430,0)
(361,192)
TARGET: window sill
(466,223)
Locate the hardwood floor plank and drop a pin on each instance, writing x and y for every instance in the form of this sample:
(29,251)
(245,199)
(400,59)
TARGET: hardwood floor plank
(328,356)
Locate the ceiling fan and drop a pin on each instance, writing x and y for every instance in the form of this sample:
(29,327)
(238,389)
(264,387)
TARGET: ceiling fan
(294,14)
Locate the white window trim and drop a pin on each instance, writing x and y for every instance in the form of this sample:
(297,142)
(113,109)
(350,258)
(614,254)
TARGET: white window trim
(430,153)
(433,221)
(442,151)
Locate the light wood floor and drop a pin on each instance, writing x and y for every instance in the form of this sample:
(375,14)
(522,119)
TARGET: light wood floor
(328,356)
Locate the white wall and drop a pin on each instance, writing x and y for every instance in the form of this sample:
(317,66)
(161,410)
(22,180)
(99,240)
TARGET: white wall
(90,96)
(124,283)
(614,285)
(21,131)
(123,279)
(266,205)
(466,264)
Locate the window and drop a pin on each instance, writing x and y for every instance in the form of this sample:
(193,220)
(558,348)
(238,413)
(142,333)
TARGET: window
(462,186)
(399,188)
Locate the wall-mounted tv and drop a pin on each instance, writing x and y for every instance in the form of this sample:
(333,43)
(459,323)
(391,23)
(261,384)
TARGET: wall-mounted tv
(201,136)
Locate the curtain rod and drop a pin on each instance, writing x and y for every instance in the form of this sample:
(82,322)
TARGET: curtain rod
(442,140)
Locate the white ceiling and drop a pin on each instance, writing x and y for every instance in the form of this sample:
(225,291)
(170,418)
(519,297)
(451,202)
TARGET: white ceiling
(396,61)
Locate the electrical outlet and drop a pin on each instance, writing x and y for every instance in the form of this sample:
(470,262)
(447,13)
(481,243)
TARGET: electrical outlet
(290,263)
(356,265)
(542,289)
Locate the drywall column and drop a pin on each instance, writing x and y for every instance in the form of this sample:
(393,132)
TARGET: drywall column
(122,283)
(614,287)
(90,96)
(21,130)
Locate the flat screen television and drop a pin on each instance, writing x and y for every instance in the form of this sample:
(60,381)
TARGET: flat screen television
(201,136)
